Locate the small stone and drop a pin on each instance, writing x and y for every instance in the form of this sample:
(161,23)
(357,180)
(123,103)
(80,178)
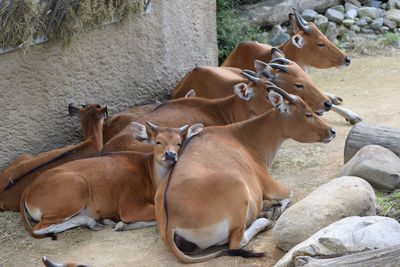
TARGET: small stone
(350,35)
(354,2)
(371,12)
(376,4)
(332,31)
(321,22)
(352,14)
(362,23)
(384,29)
(309,15)
(369,20)
(341,30)
(339,8)
(392,4)
(398,4)
(349,6)
(367,30)
(348,22)
(377,165)
(334,15)
(277,29)
(355,28)
(376,24)
(390,24)
(385,6)
(393,14)
(279,39)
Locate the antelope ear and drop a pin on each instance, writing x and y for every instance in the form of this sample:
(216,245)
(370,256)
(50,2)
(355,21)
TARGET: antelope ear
(277,101)
(297,40)
(194,130)
(74,111)
(191,93)
(243,91)
(104,113)
(264,69)
(276,53)
(139,131)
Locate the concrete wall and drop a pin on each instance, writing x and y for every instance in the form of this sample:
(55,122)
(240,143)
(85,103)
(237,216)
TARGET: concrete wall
(119,65)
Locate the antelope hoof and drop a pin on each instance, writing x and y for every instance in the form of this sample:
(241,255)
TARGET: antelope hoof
(108,222)
(337,100)
(119,226)
(96,227)
(354,119)
(275,211)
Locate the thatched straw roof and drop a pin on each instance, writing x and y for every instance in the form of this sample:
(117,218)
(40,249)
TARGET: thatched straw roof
(23,21)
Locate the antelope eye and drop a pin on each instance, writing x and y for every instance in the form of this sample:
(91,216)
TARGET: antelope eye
(98,106)
(179,144)
(158,143)
(309,115)
(321,45)
(299,85)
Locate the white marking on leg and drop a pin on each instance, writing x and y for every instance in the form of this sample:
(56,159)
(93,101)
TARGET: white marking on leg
(121,226)
(349,115)
(256,227)
(35,213)
(78,220)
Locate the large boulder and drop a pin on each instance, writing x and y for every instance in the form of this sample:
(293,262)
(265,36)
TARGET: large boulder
(342,197)
(349,235)
(352,14)
(309,14)
(376,164)
(271,12)
(321,22)
(370,12)
(332,31)
(393,14)
(334,15)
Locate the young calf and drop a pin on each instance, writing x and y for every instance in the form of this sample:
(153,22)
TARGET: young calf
(15,178)
(214,194)
(119,186)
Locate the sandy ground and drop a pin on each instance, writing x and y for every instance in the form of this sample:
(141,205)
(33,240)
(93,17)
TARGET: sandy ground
(370,87)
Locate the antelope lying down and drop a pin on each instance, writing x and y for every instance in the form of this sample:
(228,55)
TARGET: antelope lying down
(214,194)
(119,186)
(15,178)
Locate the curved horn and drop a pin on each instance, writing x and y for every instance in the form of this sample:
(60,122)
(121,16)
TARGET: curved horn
(152,126)
(251,75)
(279,67)
(281,61)
(183,128)
(282,92)
(302,23)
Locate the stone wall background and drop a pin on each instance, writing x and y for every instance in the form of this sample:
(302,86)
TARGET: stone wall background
(120,65)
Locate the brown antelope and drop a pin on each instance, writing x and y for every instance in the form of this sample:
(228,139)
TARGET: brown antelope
(215,192)
(15,178)
(215,82)
(118,186)
(307,47)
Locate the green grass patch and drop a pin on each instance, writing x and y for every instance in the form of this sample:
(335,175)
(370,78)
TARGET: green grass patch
(390,204)
(232,29)
(391,38)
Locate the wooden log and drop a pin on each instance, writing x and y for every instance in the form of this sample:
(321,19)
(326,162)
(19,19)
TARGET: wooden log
(385,257)
(363,134)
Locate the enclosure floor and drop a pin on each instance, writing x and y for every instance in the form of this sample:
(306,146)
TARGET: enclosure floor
(370,87)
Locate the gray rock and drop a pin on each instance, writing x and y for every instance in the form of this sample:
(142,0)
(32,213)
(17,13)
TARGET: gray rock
(309,15)
(352,14)
(361,23)
(398,4)
(332,31)
(376,24)
(355,28)
(377,165)
(348,22)
(321,22)
(341,30)
(385,6)
(334,15)
(349,235)
(339,8)
(354,2)
(371,12)
(393,14)
(367,19)
(392,4)
(384,29)
(350,35)
(373,3)
(367,30)
(349,6)
(341,197)
(276,30)
(279,39)
(390,24)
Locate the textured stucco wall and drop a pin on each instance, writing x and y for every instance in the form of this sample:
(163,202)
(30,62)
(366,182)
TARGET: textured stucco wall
(119,65)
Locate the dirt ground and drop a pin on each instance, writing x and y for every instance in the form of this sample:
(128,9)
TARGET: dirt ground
(370,87)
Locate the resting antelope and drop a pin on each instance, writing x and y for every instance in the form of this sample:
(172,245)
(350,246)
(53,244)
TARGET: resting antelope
(214,194)
(117,186)
(15,178)
(308,46)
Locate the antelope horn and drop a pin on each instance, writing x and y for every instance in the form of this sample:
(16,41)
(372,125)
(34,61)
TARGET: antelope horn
(251,75)
(279,67)
(303,25)
(280,61)
(152,126)
(282,92)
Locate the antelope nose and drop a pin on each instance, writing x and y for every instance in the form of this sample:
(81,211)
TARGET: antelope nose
(347,60)
(328,105)
(333,132)
(170,155)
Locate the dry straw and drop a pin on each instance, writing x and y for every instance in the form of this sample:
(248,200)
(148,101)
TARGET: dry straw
(23,21)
